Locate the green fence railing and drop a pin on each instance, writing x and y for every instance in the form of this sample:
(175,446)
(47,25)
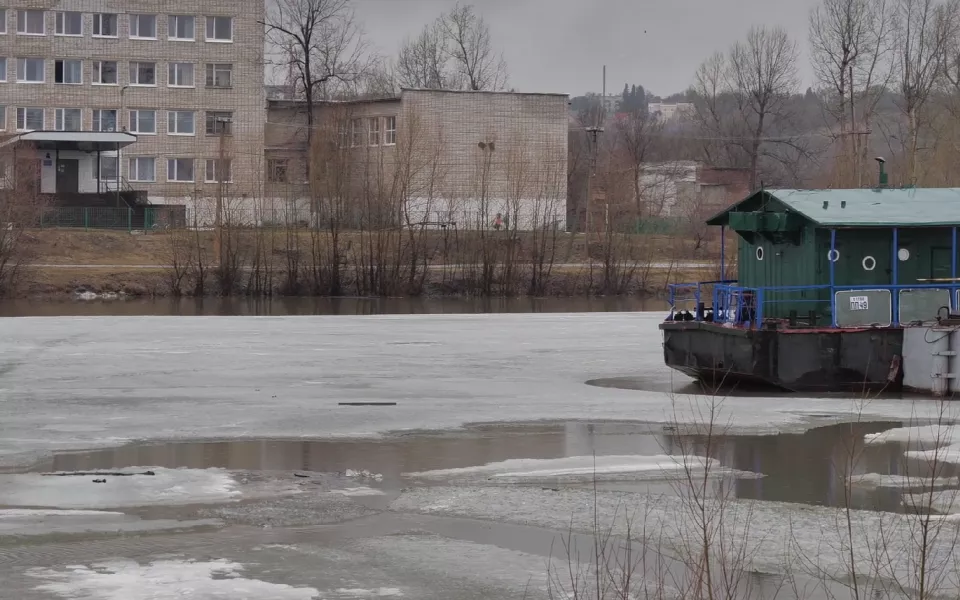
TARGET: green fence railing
(126,219)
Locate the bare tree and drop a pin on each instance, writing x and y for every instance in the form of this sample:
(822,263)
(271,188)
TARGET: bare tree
(21,207)
(636,134)
(321,46)
(849,41)
(470,48)
(423,62)
(922,29)
(763,74)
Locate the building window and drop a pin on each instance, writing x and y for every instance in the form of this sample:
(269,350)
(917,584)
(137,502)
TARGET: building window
(142,168)
(390,132)
(180,122)
(277,169)
(105,25)
(218,121)
(143,73)
(105,119)
(3,118)
(219,29)
(68,119)
(29,119)
(143,121)
(3,21)
(219,75)
(143,27)
(108,168)
(105,72)
(68,71)
(217,171)
(180,169)
(31,70)
(356,132)
(180,75)
(69,23)
(30,22)
(374,130)
(181,27)
(3,69)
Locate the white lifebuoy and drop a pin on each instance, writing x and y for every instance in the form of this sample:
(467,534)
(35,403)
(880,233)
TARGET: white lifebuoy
(869,263)
(833,255)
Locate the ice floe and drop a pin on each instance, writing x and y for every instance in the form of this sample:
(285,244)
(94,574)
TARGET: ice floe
(164,487)
(163,580)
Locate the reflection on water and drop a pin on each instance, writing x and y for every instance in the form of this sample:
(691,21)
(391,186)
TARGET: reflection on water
(808,468)
(287,306)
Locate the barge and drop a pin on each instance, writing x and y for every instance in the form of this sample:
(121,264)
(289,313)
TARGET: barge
(836,290)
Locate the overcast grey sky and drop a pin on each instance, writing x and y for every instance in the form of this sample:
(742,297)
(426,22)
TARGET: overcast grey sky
(561,45)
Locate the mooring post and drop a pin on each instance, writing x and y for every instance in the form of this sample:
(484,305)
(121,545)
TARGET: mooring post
(831,258)
(953,268)
(894,270)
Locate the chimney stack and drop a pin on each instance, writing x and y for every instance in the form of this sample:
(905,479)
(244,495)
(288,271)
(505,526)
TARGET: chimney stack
(882,183)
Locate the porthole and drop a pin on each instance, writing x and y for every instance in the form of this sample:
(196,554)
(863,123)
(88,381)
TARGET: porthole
(759,253)
(869,263)
(903,254)
(833,255)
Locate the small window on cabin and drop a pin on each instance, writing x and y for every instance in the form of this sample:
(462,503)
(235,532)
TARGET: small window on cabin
(759,253)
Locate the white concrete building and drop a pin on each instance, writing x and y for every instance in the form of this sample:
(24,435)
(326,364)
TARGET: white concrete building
(470,156)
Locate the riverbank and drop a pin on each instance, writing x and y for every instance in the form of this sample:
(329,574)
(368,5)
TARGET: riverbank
(66,263)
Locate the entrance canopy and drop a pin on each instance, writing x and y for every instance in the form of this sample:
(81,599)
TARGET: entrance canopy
(82,141)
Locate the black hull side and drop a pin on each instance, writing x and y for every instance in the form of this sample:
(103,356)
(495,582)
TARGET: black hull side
(821,360)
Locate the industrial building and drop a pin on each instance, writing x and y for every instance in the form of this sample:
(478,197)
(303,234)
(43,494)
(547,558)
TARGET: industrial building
(432,158)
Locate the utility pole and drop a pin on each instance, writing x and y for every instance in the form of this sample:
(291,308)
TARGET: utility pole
(595,132)
(222,123)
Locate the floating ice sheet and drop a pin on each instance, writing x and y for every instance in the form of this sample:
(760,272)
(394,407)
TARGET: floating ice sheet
(582,466)
(165,487)
(163,580)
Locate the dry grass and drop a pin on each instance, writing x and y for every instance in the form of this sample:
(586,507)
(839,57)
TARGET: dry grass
(120,252)
(102,247)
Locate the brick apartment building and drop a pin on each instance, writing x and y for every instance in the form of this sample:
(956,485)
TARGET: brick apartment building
(447,158)
(135,95)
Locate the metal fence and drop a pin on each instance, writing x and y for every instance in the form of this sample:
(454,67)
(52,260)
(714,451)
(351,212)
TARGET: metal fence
(145,218)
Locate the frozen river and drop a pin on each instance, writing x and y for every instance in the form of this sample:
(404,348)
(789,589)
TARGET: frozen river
(256,530)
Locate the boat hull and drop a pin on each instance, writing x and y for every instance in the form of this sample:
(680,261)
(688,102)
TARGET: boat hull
(816,360)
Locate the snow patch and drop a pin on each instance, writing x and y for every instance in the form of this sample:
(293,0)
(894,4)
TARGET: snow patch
(877,480)
(574,466)
(362,474)
(377,593)
(358,491)
(945,454)
(163,580)
(23,513)
(165,487)
(936,434)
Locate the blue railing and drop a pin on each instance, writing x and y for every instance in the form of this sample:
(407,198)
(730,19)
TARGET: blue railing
(682,293)
(746,306)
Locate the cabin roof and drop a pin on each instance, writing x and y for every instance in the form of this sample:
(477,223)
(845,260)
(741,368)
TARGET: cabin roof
(910,207)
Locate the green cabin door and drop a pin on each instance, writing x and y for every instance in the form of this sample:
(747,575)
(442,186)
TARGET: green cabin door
(940,264)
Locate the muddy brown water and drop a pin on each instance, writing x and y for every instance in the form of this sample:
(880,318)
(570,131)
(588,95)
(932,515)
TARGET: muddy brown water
(299,306)
(807,468)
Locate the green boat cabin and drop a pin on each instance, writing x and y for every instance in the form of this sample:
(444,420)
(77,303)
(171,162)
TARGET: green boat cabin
(870,237)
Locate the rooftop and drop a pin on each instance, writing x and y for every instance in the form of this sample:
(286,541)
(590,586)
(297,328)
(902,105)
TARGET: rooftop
(910,207)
